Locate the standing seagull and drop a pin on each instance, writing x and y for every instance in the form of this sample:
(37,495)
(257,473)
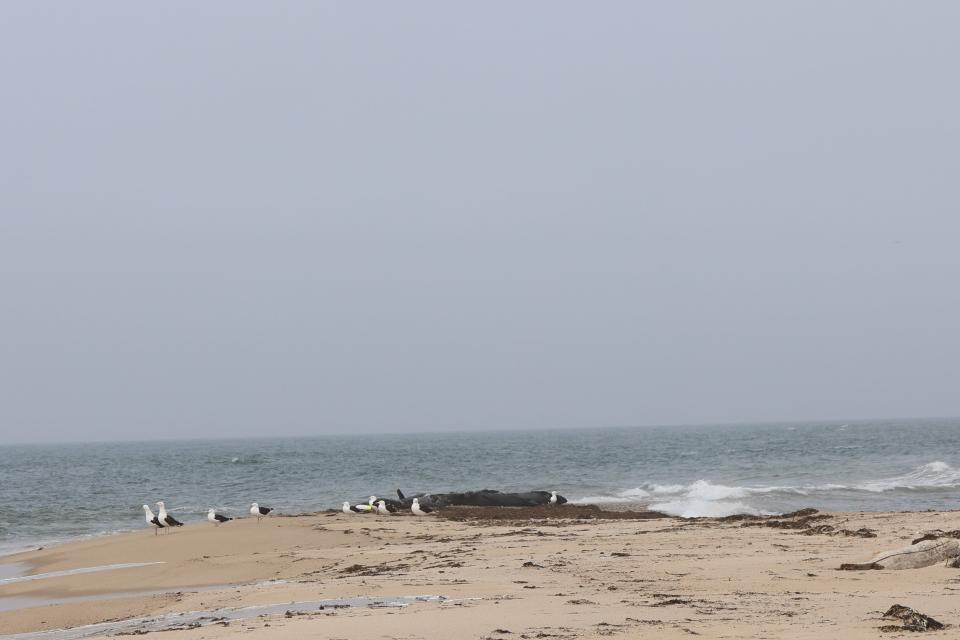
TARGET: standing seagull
(257,510)
(553,498)
(152,520)
(166,518)
(216,518)
(382,508)
(418,510)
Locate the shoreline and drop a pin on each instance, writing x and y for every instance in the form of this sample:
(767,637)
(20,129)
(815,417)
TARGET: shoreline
(6,552)
(564,574)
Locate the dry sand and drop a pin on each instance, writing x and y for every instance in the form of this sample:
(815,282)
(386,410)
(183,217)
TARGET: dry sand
(503,578)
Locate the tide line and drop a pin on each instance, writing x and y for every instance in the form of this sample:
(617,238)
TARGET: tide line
(74,572)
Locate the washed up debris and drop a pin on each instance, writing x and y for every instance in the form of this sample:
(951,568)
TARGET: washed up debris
(803,522)
(671,602)
(567,512)
(745,517)
(911,620)
(788,520)
(828,530)
(936,534)
(859,566)
(916,556)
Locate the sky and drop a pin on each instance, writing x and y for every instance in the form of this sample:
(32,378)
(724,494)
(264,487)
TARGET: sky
(251,219)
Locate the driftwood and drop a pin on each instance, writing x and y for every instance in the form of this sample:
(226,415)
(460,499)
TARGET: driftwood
(916,556)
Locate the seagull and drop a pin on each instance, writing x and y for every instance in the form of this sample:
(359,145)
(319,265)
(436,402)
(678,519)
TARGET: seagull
(418,510)
(216,518)
(382,508)
(257,510)
(166,518)
(357,508)
(553,498)
(152,520)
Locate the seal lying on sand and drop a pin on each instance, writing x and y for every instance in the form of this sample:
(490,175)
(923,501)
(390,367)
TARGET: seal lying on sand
(483,498)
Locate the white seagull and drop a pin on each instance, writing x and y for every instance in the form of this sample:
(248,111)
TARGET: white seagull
(152,520)
(216,518)
(357,508)
(382,508)
(257,510)
(553,497)
(166,518)
(418,510)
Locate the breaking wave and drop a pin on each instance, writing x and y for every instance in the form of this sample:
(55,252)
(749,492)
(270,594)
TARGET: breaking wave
(706,499)
(933,475)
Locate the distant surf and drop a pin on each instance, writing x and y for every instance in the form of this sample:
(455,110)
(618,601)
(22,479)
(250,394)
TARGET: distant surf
(705,499)
(690,471)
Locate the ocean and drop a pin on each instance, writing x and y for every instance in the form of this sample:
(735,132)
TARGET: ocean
(50,493)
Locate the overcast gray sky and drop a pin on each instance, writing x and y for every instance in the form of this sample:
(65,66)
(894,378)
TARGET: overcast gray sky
(239,218)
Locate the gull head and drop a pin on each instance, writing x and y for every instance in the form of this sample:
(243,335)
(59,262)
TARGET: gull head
(146,509)
(211,512)
(372,500)
(160,504)
(254,505)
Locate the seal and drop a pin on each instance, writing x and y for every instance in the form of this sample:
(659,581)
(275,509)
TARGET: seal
(482,498)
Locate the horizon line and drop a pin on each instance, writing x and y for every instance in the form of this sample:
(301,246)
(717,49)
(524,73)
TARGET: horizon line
(354,433)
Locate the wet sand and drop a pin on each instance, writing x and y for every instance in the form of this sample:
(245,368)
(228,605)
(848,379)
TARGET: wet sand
(499,573)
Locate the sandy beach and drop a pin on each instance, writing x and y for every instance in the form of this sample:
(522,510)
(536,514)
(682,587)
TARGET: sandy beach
(505,574)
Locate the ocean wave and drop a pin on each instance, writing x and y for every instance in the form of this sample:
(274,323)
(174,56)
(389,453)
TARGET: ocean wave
(698,499)
(703,498)
(706,490)
(697,508)
(933,475)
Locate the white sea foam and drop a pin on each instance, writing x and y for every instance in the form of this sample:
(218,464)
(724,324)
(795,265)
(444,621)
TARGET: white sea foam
(697,508)
(933,475)
(698,499)
(705,499)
